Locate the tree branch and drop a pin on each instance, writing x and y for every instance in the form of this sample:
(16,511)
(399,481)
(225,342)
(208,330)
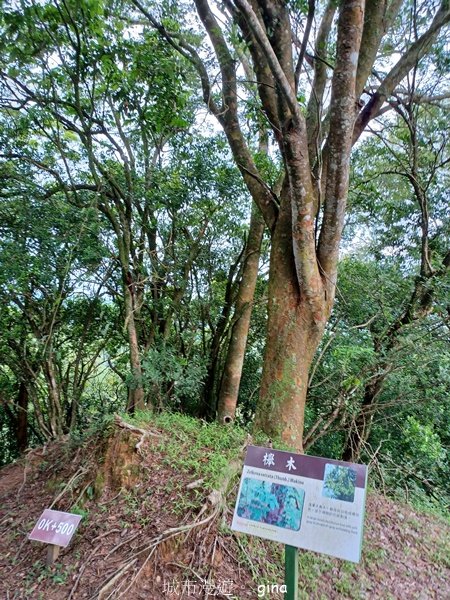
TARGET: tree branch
(342,117)
(301,56)
(379,16)
(228,118)
(188,52)
(401,69)
(272,60)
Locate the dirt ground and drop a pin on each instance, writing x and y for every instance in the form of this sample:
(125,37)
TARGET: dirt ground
(137,540)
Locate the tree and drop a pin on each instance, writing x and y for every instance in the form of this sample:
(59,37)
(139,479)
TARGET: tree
(234,360)
(395,285)
(46,248)
(416,145)
(314,139)
(101,114)
(339,483)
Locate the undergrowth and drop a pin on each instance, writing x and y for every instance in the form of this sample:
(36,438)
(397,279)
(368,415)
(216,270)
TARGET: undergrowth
(202,449)
(188,450)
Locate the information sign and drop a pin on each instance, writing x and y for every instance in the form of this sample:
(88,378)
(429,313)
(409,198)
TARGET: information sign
(55,527)
(302,501)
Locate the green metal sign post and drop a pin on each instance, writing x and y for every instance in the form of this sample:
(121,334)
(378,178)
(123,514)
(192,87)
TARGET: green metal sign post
(291,572)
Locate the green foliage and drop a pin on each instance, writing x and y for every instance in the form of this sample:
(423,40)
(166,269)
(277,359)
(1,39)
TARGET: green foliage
(90,200)
(76,510)
(423,442)
(382,353)
(340,483)
(172,380)
(114,182)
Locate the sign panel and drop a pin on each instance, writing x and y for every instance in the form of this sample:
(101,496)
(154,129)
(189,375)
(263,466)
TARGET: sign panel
(55,527)
(303,501)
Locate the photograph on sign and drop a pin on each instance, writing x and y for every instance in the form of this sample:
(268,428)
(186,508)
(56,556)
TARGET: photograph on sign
(303,501)
(273,503)
(55,527)
(339,483)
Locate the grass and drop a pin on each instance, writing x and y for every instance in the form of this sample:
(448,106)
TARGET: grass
(202,449)
(205,451)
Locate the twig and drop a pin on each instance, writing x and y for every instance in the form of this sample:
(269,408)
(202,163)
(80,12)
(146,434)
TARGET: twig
(112,581)
(254,570)
(106,533)
(82,492)
(225,549)
(117,589)
(84,565)
(213,554)
(82,569)
(124,543)
(20,548)
(111,500)
(135,577)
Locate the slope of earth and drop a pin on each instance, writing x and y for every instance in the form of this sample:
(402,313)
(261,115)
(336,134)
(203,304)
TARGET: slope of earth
(156,499)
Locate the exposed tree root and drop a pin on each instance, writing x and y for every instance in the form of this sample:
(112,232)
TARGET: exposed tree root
(70,484)
(215,504)
(145,433)
(81,494)
(87,561)
(195,484)
(124,543)
(110,584)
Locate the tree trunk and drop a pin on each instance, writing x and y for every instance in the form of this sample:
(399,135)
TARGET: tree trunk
(231,379)
(22,418)
(292,339)
(136,400)
(209,408)
(360,429)
(54,393)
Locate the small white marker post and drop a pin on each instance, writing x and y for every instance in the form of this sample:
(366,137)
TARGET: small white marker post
(55,528)
(52,554)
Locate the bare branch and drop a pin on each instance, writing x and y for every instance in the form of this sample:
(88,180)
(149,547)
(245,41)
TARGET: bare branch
(301,56)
